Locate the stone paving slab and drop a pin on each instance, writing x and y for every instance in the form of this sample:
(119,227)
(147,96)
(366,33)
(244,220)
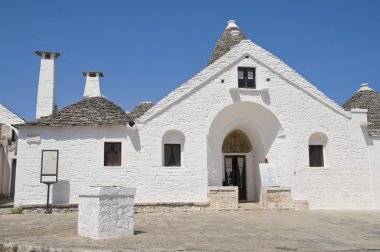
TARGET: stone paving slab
(204,231)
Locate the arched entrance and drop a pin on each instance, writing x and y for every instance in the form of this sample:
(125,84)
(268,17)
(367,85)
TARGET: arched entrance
(244,132)
(8,151)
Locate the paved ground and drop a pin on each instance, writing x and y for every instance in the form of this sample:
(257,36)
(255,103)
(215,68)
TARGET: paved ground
(209,231)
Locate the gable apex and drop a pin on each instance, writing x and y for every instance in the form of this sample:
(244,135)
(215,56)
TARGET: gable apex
(238,51)
(230,37)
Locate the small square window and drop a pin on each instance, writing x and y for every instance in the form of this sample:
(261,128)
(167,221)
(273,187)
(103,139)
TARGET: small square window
(172,155)
(316,155)
(112,154)
(246,77)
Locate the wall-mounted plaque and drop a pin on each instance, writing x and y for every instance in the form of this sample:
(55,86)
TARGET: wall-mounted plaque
(33,139)
(49,166)
(268,174)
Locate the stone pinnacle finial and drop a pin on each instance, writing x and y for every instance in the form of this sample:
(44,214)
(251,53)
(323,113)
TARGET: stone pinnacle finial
(364,87)
(232,24)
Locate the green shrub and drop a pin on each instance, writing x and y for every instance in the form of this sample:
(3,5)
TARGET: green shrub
(17,210)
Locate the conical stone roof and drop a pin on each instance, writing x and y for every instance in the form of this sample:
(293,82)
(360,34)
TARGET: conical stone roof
(226,41)
(367,98)
(94,111)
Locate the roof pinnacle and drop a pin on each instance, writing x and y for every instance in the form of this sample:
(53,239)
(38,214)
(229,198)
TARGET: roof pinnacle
(364,87)
(232,24)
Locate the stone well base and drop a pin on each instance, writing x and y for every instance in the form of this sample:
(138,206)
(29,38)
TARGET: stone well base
(223,197)
(280,198)
(106,212)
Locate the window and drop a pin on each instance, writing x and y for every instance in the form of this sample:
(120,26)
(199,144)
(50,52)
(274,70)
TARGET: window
(317,150)
(14,136)
(246,77)
(173,142)
(172,155)
(316,155)
(112,154)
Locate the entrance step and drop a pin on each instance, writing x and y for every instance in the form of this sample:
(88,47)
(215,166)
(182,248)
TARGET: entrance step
(247,206)
(300,204)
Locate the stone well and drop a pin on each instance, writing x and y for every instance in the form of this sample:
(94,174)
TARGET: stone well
(106,212)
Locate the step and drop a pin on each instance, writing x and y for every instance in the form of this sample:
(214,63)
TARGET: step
(249,206)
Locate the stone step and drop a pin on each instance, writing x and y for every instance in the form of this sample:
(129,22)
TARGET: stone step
(301,204)
(249,206)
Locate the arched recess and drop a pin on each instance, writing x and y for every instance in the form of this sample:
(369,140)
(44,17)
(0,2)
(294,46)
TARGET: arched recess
(8,153)
(3,170)
(173,144)
(236,142)
(260,126)
(318,150)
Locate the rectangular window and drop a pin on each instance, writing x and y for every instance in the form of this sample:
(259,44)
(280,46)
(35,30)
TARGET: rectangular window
(246,77)
(172,155)
(112,154)
(316,155)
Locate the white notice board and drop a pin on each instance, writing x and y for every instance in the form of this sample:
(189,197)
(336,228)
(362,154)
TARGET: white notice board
(49,166)
(268,174)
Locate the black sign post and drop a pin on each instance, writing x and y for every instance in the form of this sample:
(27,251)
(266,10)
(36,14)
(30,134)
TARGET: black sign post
(49,172)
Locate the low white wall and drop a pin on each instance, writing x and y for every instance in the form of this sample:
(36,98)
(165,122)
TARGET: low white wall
(374,154)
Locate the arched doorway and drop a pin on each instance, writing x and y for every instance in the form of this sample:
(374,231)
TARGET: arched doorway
(235,147)
(259,134)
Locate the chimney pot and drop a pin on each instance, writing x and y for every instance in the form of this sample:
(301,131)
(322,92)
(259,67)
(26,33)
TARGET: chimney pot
(92,87)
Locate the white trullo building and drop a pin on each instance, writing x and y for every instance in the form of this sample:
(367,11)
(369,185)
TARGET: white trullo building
(245,107)
(8,151)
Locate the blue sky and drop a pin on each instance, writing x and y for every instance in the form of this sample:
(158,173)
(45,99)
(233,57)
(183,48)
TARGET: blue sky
(148,48)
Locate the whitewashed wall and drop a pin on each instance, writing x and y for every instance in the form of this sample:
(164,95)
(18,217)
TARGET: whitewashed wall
(278,118)
(81,164)
(374,153)
(7,117)
(7,152)
(300,109)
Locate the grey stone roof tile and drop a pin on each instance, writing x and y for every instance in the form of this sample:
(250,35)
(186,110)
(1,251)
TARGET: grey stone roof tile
(367,99)
(225,42)
(92,111)
(140,109)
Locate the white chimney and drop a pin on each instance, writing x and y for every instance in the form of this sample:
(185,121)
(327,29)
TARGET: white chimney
(359,116)
(92,88)
(46,84)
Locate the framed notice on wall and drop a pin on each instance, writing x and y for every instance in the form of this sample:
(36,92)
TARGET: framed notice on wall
(268,174)
(49,166)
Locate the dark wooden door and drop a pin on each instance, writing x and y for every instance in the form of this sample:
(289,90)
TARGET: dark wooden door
(235,174)
(13,181)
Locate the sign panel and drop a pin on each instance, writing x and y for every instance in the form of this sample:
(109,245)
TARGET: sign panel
(49,166)
(268,173)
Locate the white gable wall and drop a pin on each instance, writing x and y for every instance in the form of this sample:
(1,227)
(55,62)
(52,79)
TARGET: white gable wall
(344,182)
